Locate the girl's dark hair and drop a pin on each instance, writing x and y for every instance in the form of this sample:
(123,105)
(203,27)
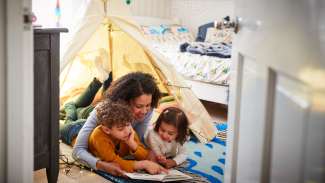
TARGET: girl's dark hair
(133,85)
(176,117)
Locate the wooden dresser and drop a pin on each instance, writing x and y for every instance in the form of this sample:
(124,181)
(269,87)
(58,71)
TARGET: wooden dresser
(46,100)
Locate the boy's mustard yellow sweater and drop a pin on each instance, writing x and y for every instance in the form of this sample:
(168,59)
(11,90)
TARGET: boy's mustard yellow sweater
(104,146)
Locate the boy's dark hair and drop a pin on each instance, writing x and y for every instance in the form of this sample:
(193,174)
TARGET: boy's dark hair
(176,117)
(111,113)
(133,85)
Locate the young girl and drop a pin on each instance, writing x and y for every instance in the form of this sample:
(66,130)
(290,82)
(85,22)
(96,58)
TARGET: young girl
(167,138)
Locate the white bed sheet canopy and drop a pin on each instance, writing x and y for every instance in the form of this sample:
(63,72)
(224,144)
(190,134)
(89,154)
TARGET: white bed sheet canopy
(106,31)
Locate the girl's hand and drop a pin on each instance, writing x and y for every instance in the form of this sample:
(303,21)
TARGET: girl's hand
(161,159)
(170,163)
(152,156)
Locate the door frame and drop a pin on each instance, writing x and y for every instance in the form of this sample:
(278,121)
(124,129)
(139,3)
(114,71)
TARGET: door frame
(2,90)
(233,119)
(19,93)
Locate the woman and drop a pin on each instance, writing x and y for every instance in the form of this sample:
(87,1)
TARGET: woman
(141,92)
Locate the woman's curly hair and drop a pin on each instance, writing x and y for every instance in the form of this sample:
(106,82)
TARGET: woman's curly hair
(133,85)
(176,117)
(111,113)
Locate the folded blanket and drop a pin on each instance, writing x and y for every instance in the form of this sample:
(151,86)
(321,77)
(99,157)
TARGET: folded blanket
(221,50)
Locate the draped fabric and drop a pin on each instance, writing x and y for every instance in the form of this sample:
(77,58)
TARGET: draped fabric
(113,40)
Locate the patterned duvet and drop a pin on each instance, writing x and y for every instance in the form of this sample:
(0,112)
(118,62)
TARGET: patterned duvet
(196,67)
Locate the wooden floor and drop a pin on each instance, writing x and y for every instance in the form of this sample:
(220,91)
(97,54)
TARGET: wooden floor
(218,113)
(68,174)
(74,176)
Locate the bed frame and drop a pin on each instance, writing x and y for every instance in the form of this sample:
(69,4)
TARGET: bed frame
(210,92)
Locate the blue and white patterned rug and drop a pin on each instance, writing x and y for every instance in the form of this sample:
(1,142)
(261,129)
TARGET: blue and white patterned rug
(204,160)
(208,160)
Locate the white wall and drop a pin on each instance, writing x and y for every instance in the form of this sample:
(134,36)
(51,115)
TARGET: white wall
(45,12)
(156,8)
(2,92)
(194,13)
(191,13)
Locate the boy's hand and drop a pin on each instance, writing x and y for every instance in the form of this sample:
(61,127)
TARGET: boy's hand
(131,141)
(131,136)
(154,168)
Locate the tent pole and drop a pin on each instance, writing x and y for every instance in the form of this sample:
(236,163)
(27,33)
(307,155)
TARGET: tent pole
(110,41)
(105,7)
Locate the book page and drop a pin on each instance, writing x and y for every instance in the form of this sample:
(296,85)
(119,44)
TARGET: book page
(172,175)
(146,176)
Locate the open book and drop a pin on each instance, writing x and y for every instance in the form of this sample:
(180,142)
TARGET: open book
(173,175)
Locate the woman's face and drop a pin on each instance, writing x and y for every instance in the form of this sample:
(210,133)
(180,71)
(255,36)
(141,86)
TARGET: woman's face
(141,106)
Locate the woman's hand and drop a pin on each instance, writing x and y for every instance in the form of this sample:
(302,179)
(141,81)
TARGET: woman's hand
(111,168)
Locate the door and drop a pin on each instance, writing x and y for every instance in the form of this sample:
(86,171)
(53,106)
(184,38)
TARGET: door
(19,92)
(277,93)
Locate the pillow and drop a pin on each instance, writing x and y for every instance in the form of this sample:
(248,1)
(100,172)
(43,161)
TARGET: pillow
(163,29)
(167,33)
(177,29)
(219,35)
(155,30)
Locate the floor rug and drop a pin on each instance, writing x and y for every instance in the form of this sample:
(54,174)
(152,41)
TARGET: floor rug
(208,160)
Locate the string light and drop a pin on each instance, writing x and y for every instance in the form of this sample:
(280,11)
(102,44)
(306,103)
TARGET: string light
(58,13)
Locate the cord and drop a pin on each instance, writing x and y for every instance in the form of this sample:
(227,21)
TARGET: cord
(67,165)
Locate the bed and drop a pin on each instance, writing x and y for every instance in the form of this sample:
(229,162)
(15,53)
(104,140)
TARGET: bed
(207,76)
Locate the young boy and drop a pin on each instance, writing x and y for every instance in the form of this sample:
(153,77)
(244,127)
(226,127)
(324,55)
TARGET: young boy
(114,138)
